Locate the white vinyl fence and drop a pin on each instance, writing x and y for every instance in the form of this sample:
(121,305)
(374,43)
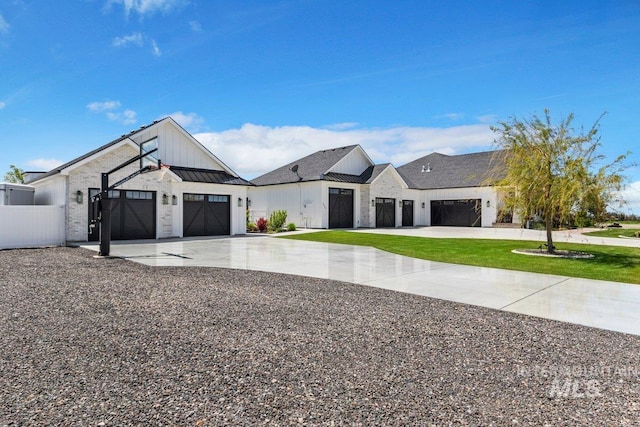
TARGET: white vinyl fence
(31,226)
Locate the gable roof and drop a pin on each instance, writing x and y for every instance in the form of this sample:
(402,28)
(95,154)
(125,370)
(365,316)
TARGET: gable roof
(437,171)
(313,167)
(126,139)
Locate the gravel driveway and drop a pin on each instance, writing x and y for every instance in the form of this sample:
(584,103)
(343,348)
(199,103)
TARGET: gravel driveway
(87,341)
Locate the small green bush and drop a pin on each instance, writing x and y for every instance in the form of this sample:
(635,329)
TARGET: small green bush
(252,227)
(291,227)
(277,220)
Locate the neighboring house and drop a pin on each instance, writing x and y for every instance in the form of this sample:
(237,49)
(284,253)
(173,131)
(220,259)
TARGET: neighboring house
(199,195)
(343,188)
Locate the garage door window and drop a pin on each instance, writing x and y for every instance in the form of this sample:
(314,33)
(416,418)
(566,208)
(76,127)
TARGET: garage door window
(218,199)
(139,195)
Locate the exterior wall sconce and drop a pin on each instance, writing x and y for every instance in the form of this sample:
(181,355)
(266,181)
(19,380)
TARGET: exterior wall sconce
(399,203)
(165,199)
(79,197)
(373,202)
(239,202)
(422,205)
(248,202)
(174,200)
(488,203)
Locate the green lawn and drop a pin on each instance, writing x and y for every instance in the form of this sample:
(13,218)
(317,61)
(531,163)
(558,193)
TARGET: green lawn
(612,263)
(614,232)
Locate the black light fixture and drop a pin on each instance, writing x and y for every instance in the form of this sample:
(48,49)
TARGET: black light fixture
(248,202)
(174,200)
(373,202)
(165,199)
(79,197)
(399,203)
(239,202)
(422,205)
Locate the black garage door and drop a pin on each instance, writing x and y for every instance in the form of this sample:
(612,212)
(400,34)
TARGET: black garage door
(206,215)
(407,213)
(133,215)
(459,213)
(340,208)
(385,212)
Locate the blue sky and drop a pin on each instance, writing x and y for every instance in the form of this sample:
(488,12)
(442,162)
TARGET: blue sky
(261,83)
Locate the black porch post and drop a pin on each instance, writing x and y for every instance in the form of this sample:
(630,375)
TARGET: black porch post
(105,217)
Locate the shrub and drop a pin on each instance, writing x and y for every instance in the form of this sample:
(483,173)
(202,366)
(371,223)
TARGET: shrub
(277,220)
(262,224)
(291,227)
(252,227)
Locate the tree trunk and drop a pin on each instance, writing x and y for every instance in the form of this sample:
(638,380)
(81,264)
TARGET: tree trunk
(549,226)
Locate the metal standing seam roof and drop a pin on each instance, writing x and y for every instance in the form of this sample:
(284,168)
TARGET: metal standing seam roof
(208,176)
(438,171)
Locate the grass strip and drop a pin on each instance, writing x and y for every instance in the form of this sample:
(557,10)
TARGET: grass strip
(612,263)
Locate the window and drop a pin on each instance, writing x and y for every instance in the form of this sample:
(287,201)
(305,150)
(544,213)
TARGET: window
(146,147)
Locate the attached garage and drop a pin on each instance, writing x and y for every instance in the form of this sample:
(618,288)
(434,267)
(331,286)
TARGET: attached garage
(206,215)
(385,212)
(458,213)
(133,215)
(340,208)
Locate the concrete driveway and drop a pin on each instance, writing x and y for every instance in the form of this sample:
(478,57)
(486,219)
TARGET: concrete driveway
(606,305)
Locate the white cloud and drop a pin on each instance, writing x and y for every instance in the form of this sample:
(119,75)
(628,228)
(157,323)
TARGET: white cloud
(44,164)
(2,104)
(125,117)
(195,26)
(155,49)
(631,197)
(341,126)
(253,149)
(135,38)
(450,116)
(487,118)
(110,109)
(144,7)
(190,121)
(100,107)
(4,25)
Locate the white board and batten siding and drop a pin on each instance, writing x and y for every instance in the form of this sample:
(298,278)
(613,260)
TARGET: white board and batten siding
(176,148)
(31,226)
(354,163)
(302,201)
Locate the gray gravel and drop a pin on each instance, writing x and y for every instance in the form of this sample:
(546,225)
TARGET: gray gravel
(89,342)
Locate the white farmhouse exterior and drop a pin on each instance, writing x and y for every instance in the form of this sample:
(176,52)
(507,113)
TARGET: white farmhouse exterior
(343,188)
(198,195)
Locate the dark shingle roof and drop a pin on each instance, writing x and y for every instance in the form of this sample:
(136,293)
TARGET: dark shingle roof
(207,175)
(310,168)
(436,171)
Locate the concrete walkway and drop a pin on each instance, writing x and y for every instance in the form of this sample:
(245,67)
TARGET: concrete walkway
(606,305)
